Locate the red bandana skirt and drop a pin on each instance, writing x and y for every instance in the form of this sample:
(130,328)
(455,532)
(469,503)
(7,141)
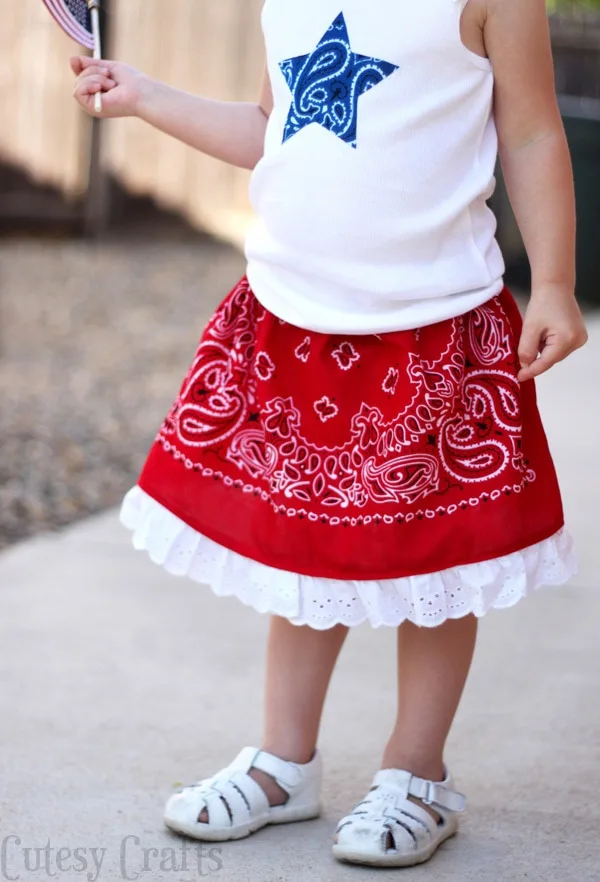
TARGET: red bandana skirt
(357,458)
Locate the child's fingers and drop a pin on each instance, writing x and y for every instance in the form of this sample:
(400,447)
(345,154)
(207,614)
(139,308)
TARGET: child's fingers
(529,345)
(554,350)
(538,365)
(97,68)
(80,63)
(91,85)
(95,80)
(76,65)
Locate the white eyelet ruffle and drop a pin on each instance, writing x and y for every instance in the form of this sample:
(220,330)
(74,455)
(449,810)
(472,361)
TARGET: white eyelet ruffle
(426,600)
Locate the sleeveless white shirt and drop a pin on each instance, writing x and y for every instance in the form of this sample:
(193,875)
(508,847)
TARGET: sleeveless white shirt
(371,197)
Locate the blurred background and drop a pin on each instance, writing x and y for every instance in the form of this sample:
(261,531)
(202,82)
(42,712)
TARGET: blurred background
(116,242)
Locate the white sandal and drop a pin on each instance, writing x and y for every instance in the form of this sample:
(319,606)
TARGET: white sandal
(237,806)
(387,829)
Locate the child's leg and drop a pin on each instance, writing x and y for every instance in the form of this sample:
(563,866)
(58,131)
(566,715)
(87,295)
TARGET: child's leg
(433,665)
(390,826)
(300,662)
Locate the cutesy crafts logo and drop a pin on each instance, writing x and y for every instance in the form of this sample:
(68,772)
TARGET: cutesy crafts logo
(129,859)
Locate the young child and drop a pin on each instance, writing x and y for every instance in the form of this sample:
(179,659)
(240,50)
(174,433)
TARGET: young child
(358,438)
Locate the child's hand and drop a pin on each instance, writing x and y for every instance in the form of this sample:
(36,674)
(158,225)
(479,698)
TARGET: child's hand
(122,86)
(553,327)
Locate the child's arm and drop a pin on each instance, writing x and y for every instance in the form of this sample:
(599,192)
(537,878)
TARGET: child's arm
(537,168)
(231,131)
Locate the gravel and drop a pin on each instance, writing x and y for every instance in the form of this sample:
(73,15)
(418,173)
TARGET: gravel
(95,340)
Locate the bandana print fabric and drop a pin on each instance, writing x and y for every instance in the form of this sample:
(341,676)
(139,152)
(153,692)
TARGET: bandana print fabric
(327,83)
(363,457)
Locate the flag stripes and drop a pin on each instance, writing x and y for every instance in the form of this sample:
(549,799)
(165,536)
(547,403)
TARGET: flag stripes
(74,18)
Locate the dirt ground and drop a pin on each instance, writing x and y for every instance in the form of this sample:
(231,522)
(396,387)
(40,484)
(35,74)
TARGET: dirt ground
(95,339)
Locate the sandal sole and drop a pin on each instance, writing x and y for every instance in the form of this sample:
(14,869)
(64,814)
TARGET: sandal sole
(227,834)
(348,856)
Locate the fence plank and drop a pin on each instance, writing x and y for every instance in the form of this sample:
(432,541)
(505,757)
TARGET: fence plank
(212,47)
(193,45)
(43,132)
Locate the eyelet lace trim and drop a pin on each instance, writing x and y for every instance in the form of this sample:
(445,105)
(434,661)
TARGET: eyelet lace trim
(427,600)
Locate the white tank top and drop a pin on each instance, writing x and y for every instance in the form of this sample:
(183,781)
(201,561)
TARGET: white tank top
(379,158)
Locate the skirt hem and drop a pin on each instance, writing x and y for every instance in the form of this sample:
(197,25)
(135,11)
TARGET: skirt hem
(426,600)
(303,569)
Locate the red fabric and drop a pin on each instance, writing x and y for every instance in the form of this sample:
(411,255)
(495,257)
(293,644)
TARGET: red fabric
(365,457)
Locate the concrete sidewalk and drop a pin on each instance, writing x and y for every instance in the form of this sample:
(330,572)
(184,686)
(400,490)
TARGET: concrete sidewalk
(119,681)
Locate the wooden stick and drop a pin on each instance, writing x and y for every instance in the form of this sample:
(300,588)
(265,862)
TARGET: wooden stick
(95,14)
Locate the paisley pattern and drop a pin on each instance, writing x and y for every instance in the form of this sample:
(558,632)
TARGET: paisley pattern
(327,83)
(487,339)
(390,383)
(460,424)
(362,457)
(302,351)
(345,355)
(326,409)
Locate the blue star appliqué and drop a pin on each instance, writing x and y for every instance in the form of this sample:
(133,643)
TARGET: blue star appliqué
(327,84)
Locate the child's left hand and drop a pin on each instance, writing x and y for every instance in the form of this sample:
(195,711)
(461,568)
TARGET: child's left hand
(553,328)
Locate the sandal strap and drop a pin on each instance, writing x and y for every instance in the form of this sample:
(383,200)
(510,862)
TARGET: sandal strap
(287,774)
(214,805)
(438,794)
(242,793)
(230,797)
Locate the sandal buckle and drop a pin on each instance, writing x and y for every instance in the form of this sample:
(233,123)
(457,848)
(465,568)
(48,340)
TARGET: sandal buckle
(429,798)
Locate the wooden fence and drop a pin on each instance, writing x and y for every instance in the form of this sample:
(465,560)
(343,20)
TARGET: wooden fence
(213,47)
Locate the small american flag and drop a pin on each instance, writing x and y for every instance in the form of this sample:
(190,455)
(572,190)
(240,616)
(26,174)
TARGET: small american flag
(74,17)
